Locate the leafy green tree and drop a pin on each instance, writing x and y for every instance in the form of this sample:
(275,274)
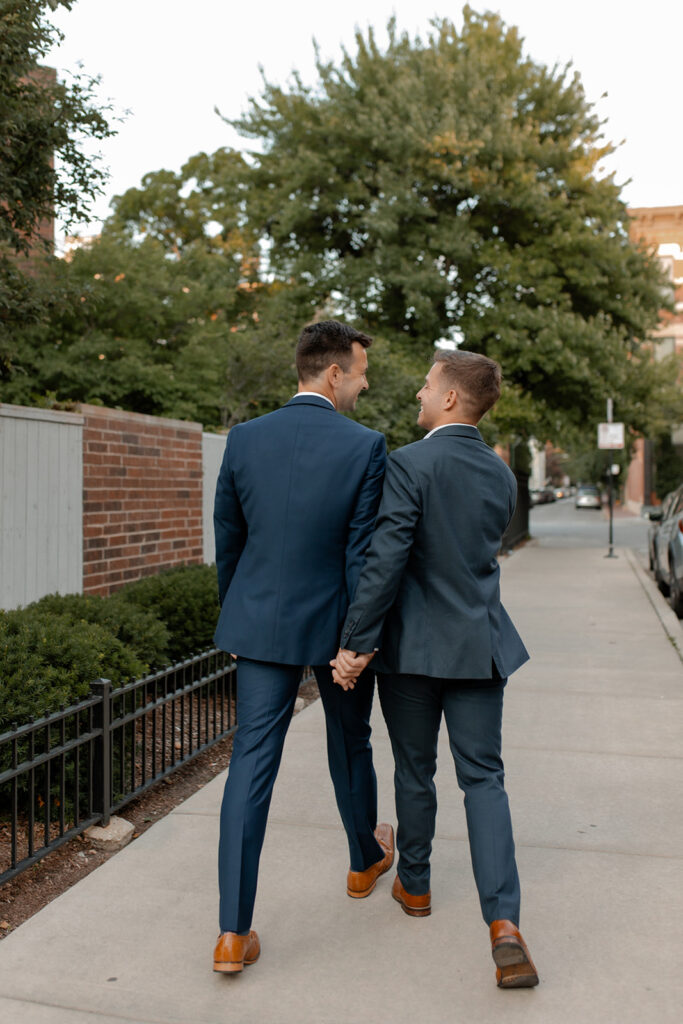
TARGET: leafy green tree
(166,313)
(668,463)
(43,169)
(130,327)
(451,188)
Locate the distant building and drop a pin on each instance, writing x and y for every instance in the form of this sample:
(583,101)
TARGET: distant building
(660,228)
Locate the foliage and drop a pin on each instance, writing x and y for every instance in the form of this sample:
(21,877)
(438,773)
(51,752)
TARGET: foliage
(185,599)
(446,188)
(452,188)
(164,313)
(390,406)
(668,465)
(137,628)
(53,649)
(48,660)
(43,169)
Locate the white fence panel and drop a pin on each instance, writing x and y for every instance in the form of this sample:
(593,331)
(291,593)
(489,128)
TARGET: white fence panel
(41,504)
(213,448)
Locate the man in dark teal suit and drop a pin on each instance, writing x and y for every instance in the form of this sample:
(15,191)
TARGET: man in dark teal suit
(428,602)
(296,502)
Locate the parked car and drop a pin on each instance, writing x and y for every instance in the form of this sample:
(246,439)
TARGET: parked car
(541,495)
(587,496)
(665,543)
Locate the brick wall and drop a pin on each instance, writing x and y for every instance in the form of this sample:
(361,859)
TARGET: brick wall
(142,496)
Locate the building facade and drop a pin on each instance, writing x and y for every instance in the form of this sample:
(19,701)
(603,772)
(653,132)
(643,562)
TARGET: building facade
(660,229)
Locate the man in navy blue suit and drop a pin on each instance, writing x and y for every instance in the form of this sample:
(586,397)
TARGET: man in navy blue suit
(428,602)
(296,502)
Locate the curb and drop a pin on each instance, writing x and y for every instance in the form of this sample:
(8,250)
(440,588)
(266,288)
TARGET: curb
(671,624)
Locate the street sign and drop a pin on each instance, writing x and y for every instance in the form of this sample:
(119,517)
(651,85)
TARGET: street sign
(610,435)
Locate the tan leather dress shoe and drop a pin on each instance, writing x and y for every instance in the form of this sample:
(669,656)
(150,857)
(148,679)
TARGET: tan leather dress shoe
(361,883)
(414,906)
(233,952)
(514,966)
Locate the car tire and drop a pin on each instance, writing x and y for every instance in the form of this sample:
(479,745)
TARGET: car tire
(662,584)
(675,593)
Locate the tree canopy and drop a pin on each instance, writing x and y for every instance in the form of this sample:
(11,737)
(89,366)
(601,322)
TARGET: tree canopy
(451,188)
(167,312)
(439,189)
(44,171)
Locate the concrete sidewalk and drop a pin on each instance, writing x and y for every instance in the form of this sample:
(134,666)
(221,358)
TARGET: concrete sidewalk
(593,751)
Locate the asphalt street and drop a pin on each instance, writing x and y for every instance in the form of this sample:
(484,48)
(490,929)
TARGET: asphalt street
(560,524)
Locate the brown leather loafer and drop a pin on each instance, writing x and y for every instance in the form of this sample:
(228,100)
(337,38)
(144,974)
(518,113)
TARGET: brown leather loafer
(233,952)
(514,966)
(414,906)
(361,883)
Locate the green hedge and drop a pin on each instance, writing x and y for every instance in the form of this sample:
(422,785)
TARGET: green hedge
(136,627)
(49,660)
(52,650)
(185,600)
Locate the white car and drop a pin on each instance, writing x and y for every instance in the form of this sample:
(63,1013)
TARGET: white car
(588,496)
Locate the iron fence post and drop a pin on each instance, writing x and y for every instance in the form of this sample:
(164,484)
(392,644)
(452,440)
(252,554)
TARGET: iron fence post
(102,768)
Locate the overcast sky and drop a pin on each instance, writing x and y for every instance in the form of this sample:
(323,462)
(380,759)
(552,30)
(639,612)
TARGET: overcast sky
(170,62)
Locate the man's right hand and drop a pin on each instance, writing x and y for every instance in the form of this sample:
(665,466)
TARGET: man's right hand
(348,665)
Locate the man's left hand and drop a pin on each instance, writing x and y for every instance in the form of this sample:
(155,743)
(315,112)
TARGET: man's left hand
(348,665)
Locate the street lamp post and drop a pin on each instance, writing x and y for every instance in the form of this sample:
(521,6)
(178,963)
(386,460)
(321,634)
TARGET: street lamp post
(611,436)
(612,471)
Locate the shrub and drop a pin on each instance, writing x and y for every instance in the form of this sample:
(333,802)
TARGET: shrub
(186,600)
(49,660)
(136,627)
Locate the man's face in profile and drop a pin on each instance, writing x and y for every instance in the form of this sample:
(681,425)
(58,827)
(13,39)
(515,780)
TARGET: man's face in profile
(430,397)
(354,381)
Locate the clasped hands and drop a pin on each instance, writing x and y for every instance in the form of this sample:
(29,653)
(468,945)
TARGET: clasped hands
(348,665)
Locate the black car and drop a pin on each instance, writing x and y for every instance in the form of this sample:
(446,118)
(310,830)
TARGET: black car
(542,495)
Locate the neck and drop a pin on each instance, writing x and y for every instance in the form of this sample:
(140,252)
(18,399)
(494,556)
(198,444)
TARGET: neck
(445,421)
(318,389)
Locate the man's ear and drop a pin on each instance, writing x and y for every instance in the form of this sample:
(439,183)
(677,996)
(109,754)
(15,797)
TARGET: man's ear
(450,399)
(334,374)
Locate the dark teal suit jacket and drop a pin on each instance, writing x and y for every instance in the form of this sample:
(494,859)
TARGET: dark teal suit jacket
(429,595)
(295,508)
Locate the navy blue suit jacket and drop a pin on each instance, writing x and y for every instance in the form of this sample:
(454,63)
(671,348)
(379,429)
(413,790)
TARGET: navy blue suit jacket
(296,503)
(429,594)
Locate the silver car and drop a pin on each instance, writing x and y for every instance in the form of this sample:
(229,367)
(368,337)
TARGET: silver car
(666,548)
(587,496)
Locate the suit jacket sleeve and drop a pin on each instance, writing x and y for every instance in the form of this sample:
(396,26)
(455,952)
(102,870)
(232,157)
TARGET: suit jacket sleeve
(512,502)
(365,513)
(399,513)
(229,525)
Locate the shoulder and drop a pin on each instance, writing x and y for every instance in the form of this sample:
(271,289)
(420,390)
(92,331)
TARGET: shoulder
(269,421)
(411,456)
(408,461)
(354,428)
(501,465)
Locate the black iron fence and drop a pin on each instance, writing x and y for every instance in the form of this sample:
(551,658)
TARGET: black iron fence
(74,768)
(518,528)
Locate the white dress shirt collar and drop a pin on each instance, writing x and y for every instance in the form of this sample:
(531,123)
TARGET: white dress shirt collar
(314,394)
(442,425)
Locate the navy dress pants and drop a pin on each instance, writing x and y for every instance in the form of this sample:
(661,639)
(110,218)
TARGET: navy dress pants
(412,706)
(265,701)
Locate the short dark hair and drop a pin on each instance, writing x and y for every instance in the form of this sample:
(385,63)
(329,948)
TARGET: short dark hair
(324,343)
(477,379)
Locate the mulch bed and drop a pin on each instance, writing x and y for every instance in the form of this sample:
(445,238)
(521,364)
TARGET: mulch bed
(34,888)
